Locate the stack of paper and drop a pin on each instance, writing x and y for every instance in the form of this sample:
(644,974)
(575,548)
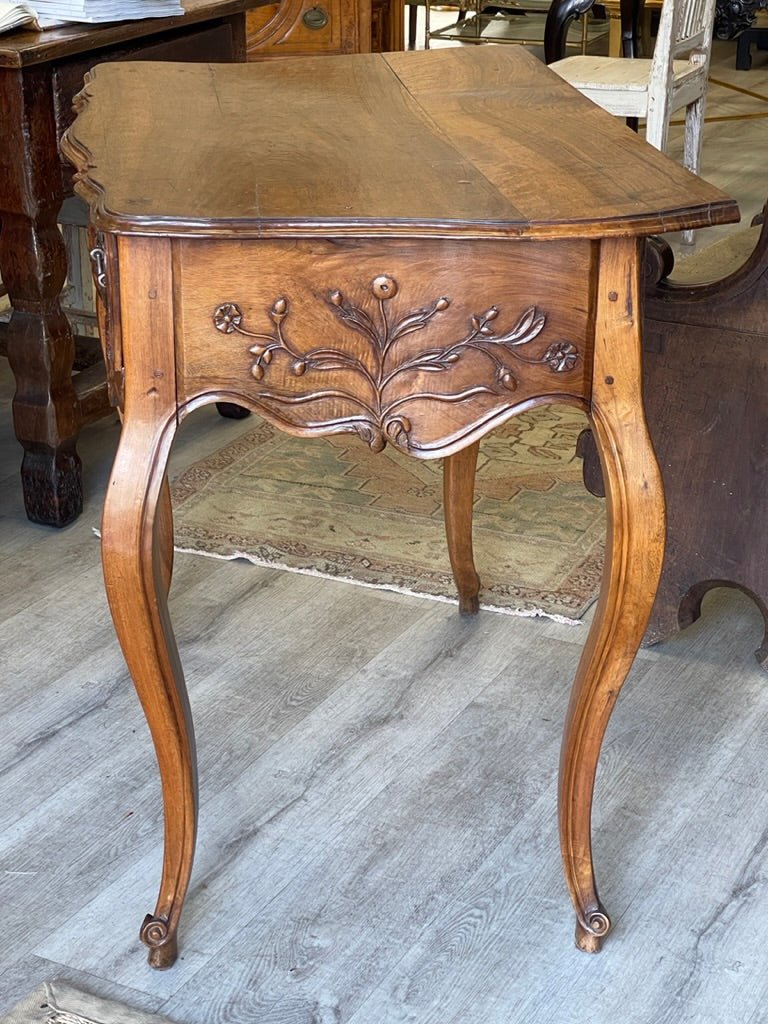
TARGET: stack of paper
(15,15)
(105,10)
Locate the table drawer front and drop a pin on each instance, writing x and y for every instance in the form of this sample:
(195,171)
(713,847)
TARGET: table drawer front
(419,344)
(303,27)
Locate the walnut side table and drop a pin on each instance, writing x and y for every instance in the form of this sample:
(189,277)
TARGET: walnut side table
(412,247)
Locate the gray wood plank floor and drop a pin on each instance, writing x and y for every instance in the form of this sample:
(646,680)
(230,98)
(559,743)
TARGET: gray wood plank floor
(378,783)
(378,835)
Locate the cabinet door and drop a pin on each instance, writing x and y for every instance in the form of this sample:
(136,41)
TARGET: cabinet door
(303,27)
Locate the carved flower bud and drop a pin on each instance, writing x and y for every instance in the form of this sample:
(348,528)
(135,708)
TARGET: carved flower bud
(491,314)
(257,370)
(257,350)
(442,303)
(384,287)
(453,357)
(279,307)
(507,379)
(299,367)
(337,298)
(267,356)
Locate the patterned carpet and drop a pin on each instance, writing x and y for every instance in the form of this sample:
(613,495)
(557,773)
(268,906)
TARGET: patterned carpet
(331,507)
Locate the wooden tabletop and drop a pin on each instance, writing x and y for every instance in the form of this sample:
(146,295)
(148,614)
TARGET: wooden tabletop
(23,48)
(479,141)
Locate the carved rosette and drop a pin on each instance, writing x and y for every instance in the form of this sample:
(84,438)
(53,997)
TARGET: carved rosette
(367,387)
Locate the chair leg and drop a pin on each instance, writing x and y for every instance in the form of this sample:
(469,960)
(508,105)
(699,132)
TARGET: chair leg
(694,130)
(657,128)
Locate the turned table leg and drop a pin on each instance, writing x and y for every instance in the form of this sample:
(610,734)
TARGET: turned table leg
(635,550)
(33,267)
(458,495)
(41,353)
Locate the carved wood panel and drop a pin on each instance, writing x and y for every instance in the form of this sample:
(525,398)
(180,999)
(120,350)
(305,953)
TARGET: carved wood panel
(419,353)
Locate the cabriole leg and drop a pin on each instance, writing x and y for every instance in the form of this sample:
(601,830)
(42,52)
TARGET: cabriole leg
(135,553)
(635,550)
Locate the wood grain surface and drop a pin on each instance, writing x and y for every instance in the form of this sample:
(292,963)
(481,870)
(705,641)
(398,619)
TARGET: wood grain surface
(372,144)
(367,706)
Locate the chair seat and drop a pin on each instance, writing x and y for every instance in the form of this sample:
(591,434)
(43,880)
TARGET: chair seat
(587,73)
(654,89)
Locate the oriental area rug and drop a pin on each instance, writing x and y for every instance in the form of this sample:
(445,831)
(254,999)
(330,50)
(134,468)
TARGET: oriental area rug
(330,507)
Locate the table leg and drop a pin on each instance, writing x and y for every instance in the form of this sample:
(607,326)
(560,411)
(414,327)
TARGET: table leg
(137,551)
(458,495)
(634,555)
(41,352)
(137,543)
(33,266)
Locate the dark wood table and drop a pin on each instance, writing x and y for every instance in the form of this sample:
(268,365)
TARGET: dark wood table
(411,247)
(39,76)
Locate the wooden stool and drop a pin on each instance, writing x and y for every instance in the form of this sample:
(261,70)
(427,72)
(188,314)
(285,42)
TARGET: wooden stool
(411,247)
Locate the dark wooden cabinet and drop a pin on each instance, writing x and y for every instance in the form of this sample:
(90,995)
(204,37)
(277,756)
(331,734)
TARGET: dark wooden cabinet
(296,28)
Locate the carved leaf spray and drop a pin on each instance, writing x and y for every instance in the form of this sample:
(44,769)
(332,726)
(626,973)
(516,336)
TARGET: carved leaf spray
(370,385)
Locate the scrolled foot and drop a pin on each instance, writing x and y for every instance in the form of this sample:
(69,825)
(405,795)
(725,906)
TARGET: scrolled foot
(590,934)
(163,946)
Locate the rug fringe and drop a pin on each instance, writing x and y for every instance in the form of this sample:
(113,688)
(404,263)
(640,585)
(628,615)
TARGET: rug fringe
(521,613)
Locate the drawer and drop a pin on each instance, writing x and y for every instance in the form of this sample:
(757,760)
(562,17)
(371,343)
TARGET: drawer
(305,27)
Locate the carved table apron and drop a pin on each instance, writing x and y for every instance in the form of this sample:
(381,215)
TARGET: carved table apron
(423,333)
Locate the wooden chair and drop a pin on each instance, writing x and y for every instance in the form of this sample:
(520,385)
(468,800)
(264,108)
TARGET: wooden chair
(655,88)
(562,13)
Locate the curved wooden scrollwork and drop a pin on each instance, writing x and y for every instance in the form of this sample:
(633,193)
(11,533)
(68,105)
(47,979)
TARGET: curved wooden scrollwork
(373,383)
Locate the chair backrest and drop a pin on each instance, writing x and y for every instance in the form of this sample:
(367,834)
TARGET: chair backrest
(685,30)
(684,26)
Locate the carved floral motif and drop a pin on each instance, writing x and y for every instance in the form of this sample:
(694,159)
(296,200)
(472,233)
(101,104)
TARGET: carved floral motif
(368,381)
